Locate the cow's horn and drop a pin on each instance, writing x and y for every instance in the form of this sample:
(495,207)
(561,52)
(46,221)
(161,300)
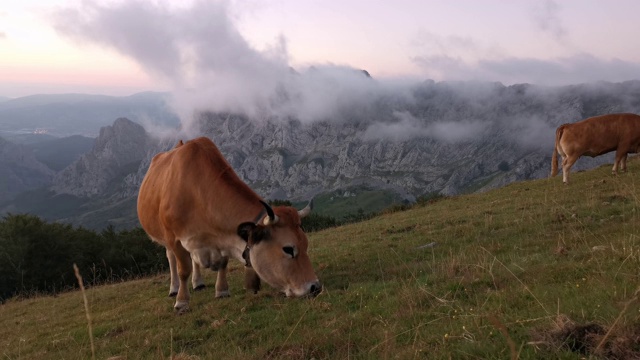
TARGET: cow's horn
(307,209)
(271,216)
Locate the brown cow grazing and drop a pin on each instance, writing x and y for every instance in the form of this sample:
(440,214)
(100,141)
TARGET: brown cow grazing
(192,202)
(596,136)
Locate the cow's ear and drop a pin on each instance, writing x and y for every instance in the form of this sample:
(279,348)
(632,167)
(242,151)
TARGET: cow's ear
(245,229)
(260,233)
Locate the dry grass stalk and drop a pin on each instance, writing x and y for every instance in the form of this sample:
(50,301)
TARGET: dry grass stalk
(86,309)
(517,278)
(635,297)
(503,329)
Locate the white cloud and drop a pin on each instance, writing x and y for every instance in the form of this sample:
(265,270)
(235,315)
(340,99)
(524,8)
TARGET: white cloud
(546,16)
(208,65)
(575,69)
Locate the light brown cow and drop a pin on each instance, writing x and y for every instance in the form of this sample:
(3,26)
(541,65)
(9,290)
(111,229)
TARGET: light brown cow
(192,202)
(596,136)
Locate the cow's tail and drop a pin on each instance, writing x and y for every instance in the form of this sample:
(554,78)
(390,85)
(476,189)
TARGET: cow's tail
(554,157)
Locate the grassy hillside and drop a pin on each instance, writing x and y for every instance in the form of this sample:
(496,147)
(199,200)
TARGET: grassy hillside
(535,270)
(356,200)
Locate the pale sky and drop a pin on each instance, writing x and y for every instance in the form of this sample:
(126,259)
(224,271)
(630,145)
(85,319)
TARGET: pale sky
(122,47)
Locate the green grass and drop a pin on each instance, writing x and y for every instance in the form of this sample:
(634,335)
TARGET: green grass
(510,269)
(357,200)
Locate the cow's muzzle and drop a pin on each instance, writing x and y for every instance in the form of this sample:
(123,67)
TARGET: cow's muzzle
(315,289)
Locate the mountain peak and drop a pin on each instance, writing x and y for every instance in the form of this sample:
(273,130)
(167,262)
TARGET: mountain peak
(123,122)
(119,148)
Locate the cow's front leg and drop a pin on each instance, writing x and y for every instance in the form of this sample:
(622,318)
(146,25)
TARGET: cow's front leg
(222,286)
(251,280)
(183,260)
(196,277)
(173,271)
(623,164)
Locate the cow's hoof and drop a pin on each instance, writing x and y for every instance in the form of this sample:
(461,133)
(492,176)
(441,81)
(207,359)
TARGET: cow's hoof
(181,307)
(173,294)
(182,311)
(222,294)
(199,287)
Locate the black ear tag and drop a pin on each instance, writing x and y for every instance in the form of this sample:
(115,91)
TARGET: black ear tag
(246,257)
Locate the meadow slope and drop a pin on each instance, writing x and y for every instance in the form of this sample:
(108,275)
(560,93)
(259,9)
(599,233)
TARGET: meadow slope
(533,270)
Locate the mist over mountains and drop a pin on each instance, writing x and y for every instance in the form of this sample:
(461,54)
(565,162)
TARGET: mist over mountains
(435,138)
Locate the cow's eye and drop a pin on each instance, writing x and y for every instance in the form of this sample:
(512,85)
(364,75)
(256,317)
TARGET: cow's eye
(289,250)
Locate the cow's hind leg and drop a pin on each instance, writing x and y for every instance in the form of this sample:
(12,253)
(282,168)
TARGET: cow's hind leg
(173,271)
(620,155)
(623,164)
(184,270)
(196,277)
(222,286)
(567,163)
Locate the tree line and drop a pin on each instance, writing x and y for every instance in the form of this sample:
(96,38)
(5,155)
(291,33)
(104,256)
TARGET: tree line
(38,257)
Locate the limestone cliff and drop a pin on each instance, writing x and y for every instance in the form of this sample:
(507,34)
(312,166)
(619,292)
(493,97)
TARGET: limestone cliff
(116,153)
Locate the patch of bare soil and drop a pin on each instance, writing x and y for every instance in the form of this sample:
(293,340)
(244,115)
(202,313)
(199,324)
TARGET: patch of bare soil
(591,339)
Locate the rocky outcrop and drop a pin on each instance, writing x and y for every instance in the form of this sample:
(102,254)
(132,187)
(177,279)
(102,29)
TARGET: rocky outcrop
(116,153)
(449,138)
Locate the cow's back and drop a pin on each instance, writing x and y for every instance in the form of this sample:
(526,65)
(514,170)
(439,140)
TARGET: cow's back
(600,134)
(170,202)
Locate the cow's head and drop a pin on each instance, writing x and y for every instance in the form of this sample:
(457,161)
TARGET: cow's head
(277,251)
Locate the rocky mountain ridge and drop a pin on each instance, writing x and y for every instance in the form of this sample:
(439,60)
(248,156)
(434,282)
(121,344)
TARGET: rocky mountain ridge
(496,135)
(448,138)
(116,152)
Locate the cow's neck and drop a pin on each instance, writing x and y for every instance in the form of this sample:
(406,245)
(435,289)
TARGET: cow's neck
(234,204)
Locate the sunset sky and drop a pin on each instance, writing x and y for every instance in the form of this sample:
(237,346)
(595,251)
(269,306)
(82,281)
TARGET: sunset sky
(119,48)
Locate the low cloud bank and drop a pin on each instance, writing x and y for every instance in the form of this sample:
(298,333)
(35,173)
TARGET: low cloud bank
(199,53)
(209,66)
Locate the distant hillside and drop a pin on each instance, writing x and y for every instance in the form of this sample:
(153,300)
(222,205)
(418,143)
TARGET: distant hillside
(26,138)
(88,191)
(59,153)
(20,171)
(73,114)
(534,270)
